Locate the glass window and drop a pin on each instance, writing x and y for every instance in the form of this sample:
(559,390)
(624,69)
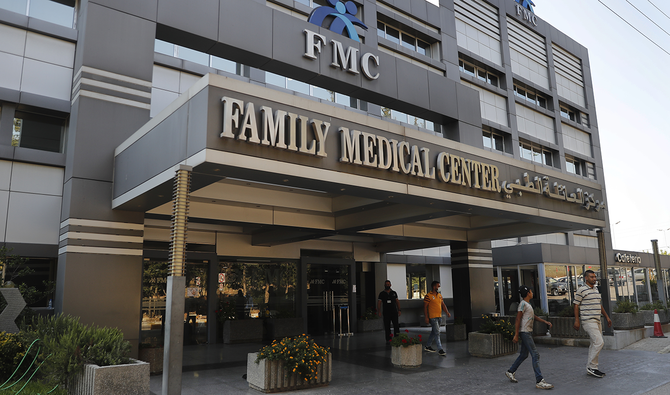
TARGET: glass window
(52,11)
(498,142)
(380,29)
(423,48)
(323,94)
(481,74)
(253,290)
(398,116)
(541,101)
(18,6)
(493,79)
(487,139)
(297,86)
(275,79)
(590,170)
(469,69)
(342,99)
(164,47)
(38,132)
(392,34)
(526,152)
(193,55)
(416,281)
(408,42)
(224,65)
(154,294)
(548,158)
(585,120)
(570,167)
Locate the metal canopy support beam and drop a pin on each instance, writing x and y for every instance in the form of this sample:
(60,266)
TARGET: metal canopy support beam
(176,283)
(659,274)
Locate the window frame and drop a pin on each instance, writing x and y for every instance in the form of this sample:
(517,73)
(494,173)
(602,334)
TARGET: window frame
(479,73)
(545,155)
(426,49)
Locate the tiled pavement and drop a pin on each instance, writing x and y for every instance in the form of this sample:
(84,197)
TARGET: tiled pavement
(362,365)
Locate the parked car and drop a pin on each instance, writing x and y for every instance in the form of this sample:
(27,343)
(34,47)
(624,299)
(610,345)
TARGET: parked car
(555,287)
(639,274)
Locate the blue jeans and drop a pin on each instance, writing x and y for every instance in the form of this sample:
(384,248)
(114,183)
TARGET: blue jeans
(435,332)
(527,344)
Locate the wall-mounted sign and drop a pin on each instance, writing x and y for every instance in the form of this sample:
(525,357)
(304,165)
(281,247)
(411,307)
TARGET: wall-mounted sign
(627,258)
(343,17)
(524,9)
(289,131)
(345,60)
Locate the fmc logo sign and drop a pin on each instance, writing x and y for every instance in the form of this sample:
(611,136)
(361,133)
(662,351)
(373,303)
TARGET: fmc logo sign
(524,9)
(343,18)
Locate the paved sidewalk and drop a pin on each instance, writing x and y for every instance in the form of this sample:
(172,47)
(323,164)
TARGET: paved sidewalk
(362,365)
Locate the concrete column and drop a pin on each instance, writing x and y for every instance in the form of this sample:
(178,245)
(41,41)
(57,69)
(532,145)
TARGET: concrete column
(660,284)
(472,276)
(174,325)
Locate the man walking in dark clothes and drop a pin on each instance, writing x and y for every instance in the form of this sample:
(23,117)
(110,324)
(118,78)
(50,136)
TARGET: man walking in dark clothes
(388,304)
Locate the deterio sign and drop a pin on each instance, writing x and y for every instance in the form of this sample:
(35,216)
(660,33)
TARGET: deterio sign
(343,22)
(289,131)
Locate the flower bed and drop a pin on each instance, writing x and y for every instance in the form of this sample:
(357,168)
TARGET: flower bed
(490,345)
(292,363)
(406,350)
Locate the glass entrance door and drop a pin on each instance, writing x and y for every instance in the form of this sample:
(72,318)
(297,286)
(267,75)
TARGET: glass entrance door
(327,292)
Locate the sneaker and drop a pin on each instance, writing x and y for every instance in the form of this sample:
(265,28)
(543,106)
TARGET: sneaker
(594,373)
(511,377)
(600,373)
(442,353)
(429,349)
(543,385)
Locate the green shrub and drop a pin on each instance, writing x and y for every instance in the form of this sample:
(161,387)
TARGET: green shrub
(34,388)
(67,345)
(625,306)
(569,311)
(657,305)
(503,326)
(12,349)
(540,312)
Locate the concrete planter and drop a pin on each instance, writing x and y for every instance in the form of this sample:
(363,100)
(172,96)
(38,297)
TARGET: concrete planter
(279,328)
(243,331)
(456,332)
(649,316)
(625,321)
(540,328)
(154,357)
(370,325)
(270,376)
(490,345)
(563,327)
(407,357)
(129,379)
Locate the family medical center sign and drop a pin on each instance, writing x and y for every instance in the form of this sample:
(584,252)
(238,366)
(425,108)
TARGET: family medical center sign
(301,134)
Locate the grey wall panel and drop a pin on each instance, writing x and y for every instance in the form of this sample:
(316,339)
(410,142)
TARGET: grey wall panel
(246,28)
(442,95)
(52,29)
(287,30)
(49,49)
(413,85)
(419,9)
(9,95)
(170,135)
(13,40)
(10,71)
(98,128)
(104,290)
(37,179)
(114,52)
(5,174)
(91,199)
(385,91)
(469,110)
(33,218)
(46,79)
(199,116)
(200,19)
(4,205)
(146,9)
(33,250)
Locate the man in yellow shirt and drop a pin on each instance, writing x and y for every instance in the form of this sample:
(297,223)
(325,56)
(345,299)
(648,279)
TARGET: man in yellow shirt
(433,305)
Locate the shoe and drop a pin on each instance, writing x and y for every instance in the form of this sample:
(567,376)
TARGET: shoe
(429,349)
(543,385)
(595,373)
(600,373)
(442,353)
(511,377)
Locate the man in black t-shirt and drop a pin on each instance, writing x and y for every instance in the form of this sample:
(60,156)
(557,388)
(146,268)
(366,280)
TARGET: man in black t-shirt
(388,304)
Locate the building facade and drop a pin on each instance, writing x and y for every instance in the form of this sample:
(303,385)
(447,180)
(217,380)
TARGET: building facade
(325,155)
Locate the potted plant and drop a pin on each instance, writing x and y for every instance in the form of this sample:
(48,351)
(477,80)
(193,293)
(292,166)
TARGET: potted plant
(370,321)
(86,357)
(647,311)
(625,316)
(494,339)
(540,328)
(457,331)
(290,364)
(562,325)
(151,351)
(406,350)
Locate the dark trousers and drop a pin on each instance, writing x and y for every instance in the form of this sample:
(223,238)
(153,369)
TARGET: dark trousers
(387,325)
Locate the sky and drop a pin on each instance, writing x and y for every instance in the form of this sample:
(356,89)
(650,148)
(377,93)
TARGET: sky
(631,84)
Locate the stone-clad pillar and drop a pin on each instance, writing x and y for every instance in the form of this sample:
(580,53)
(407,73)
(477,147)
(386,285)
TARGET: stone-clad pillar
(100,253)
(472,276)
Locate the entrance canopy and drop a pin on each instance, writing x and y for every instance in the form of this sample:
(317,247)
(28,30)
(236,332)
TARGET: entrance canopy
(290,168)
